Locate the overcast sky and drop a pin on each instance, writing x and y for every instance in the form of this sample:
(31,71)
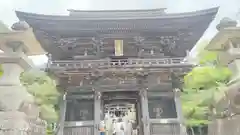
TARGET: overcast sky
(228,8)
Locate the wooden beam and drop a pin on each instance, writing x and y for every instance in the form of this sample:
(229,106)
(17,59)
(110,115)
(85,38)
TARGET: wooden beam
(97,112)
(63,73)
(179,111)
(63,106)
(145,112)
(80,96)
(78,123)
(164,121)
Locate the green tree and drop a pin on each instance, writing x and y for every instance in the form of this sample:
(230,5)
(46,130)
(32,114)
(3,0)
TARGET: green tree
(43,88)
(203,86)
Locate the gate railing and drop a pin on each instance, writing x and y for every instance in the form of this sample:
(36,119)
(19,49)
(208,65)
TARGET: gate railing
(109,63)
(79,128)
(165,129)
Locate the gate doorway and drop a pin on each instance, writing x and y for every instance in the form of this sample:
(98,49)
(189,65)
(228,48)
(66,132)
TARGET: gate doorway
(124,108)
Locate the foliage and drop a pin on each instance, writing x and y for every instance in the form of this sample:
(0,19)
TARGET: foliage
(203,87)
(49,130)
(205,77)
(196,104)
(1,70)
(208,58)
(43,88)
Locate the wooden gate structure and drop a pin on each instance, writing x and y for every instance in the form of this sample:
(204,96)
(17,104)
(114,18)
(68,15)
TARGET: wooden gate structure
(95,54)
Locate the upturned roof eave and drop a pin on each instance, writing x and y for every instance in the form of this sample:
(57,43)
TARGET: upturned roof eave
(22,15)
(127,10)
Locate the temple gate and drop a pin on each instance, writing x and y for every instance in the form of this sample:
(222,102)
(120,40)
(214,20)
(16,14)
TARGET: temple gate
(119,64)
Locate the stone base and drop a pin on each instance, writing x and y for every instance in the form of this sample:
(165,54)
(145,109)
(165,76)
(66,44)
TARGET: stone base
(18,123)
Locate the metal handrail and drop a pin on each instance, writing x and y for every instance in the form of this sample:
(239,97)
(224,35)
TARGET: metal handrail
(107,63)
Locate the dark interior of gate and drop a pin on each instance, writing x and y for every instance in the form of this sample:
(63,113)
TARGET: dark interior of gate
(121,105)
(121,65)
(128,106)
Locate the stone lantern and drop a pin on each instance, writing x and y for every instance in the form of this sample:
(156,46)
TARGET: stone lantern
(18,112)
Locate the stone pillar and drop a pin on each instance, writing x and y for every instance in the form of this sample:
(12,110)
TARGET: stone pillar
(18,112)
(145,113)
(179,112)
(97,112)
(226,23)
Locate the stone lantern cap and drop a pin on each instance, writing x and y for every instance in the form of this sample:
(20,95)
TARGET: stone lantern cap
(226,23)
(228,30)
(22,33)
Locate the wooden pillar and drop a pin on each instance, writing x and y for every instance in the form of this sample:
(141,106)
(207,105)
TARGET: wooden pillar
(145,113)
(49,61)
(63,106)
(179,112)
(97,112)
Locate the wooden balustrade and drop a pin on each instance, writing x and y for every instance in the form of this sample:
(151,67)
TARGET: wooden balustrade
(78,130)
(123,63)
(164,129)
